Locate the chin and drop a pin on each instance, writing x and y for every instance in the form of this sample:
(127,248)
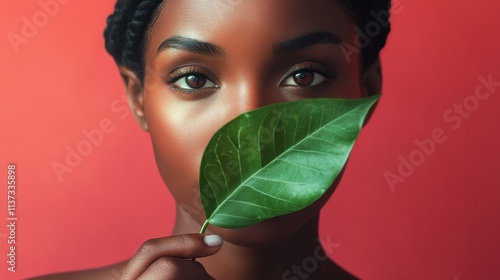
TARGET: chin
(272,231)
(278,229)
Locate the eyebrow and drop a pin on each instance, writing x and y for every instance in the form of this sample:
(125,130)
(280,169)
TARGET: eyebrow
(206,48)
(306,41)
(191,45)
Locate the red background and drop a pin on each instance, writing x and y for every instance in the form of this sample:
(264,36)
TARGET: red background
(441,223)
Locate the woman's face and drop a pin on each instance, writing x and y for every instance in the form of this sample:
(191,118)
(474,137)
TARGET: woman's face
(210,61)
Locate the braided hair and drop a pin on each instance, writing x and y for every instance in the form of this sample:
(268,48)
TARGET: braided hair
(128,28)
(367,14)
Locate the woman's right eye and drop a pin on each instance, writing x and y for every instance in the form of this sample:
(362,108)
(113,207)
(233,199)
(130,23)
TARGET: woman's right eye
(193,81)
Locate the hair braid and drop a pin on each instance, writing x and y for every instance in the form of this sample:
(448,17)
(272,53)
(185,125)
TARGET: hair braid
(125,34)
(128,26)
(363,12)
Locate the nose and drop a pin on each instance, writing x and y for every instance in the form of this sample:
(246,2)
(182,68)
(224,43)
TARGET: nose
(251,95)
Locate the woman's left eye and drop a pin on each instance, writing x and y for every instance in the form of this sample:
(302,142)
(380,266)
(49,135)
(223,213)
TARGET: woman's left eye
(304,78)
(194,81)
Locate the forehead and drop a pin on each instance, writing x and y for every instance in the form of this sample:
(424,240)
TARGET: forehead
(244,23)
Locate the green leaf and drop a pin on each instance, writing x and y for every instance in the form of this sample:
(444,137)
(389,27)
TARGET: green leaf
(277,159)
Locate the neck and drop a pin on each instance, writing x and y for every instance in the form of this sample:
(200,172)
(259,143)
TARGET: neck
(301,256)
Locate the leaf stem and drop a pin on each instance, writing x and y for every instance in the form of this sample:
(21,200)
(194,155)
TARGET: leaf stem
(204,227)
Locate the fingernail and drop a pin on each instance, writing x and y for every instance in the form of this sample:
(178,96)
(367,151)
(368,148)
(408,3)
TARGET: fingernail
(213,240)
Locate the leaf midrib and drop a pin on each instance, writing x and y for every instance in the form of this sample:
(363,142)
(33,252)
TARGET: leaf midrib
(282,154)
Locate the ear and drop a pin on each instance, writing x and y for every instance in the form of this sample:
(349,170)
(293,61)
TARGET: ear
(135,95)
(371,79)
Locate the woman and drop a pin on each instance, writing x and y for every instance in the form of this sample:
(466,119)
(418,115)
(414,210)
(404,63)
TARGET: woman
(189,67)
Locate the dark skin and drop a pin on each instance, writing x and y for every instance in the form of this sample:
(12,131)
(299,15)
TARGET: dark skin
(186,96)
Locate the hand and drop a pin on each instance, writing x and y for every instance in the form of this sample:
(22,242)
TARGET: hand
(172,258)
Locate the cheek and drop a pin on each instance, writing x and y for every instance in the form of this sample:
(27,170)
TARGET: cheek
(179,133)
(348,84)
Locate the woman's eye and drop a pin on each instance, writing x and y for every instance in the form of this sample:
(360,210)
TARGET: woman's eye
(194,81)
(304,78)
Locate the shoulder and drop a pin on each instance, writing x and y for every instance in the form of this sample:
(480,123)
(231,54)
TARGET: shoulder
(111,272)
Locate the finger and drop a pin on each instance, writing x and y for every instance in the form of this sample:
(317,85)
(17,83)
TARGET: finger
(174,268)
(178,246)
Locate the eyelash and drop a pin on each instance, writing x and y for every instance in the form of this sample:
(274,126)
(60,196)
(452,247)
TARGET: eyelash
(310,68)
(180,73)
(183,72)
